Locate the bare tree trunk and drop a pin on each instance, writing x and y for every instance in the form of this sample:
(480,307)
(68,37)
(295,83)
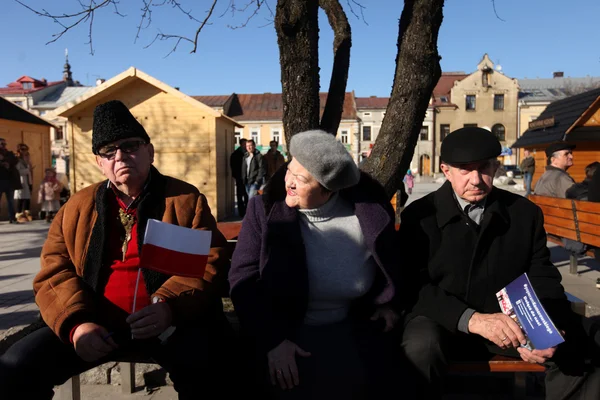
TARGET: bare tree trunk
(417,72)
(296,23)
(332,115)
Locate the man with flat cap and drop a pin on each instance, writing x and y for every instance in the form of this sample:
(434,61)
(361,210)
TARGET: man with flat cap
(465,242)
(87,283)
(555,181)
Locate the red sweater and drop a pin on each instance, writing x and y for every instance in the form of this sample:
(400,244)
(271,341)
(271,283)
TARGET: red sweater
(120,287)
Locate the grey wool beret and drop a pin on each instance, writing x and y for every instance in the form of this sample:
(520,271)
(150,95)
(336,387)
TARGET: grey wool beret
(325,158)
(112,122)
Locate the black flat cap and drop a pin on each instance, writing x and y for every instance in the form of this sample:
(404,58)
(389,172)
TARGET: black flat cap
(554,147)
(112,122)
(467,145)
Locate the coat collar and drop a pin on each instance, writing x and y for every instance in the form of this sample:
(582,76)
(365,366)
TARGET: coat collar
(448,210)
(151,205)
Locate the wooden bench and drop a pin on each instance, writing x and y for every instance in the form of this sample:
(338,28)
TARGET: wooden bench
(71,389)
(570,219)
(500,364)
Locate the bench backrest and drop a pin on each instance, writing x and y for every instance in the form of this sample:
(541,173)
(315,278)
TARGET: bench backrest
(571,219)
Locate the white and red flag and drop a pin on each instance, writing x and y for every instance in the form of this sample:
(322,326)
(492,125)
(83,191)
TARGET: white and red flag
(175,250)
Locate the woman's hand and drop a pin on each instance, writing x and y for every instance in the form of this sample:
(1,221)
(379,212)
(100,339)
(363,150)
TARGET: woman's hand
(388,315)
(282,364)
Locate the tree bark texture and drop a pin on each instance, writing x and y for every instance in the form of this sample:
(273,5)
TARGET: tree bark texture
(296,23)
(417,72)
(332,115)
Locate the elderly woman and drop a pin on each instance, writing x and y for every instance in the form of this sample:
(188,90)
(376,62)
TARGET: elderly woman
(313,277)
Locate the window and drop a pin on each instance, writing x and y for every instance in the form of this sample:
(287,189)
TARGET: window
(424,135)
(19,103)
(276,135)
(27,85)
(239,133)
(444,99)
(366,133)
(470,125)
(344,137)
(254,135)
(367,114)
(499,131)
(59,134)
(470,102)
(444,131)
(42,112)
(498,102)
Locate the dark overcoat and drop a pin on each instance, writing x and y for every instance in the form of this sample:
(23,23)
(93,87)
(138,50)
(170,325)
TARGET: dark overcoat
(459,265)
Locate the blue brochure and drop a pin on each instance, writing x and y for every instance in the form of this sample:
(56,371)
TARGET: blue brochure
(519,301)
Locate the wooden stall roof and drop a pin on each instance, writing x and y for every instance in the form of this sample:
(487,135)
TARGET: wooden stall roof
(567,114)
(124,78)
(12,112)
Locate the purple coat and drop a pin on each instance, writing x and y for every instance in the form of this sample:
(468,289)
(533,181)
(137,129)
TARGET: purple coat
(268,276)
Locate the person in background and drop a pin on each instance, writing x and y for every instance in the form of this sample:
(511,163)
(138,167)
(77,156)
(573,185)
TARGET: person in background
(235,162)
(409,179)
(274,159)
(253,169)
(527,167)
(10,179)
(23,195)
(555,181)
(579,191)
(49,194)
(313,277)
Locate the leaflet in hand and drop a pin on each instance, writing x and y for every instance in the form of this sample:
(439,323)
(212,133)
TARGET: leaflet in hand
(519,301)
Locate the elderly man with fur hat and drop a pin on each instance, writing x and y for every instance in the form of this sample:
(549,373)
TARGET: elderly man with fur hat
(313,276)
(464,243)
(85,288)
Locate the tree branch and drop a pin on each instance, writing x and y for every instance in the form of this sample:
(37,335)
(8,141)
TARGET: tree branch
(496,12)
(86,14)
(332,115)
(360,7)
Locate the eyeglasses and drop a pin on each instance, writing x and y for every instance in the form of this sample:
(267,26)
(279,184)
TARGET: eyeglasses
(109,152)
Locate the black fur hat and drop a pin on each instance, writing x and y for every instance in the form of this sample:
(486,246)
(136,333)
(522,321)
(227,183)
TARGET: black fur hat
(112,122)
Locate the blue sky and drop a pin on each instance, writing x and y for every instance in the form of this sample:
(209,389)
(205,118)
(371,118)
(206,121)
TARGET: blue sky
(536,38)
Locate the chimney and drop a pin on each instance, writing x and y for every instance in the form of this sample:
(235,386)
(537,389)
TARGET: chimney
(558,74)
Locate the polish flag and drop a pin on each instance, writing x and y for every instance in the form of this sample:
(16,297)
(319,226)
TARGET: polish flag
(175,250)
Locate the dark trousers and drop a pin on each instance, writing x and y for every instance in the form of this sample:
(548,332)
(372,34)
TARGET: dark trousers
(429,349)
(6,189)
(348,360)
(24,204)
(242,197)
(196,359)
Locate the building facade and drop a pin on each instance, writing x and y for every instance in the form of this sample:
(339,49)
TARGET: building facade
(262,118)
(371,112)
(485,98)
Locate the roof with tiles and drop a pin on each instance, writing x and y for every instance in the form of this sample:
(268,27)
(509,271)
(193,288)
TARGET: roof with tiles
(372,102)
(60,97)
(441,92)
(17,87)
(213,101)
(266,106)
(551,89)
